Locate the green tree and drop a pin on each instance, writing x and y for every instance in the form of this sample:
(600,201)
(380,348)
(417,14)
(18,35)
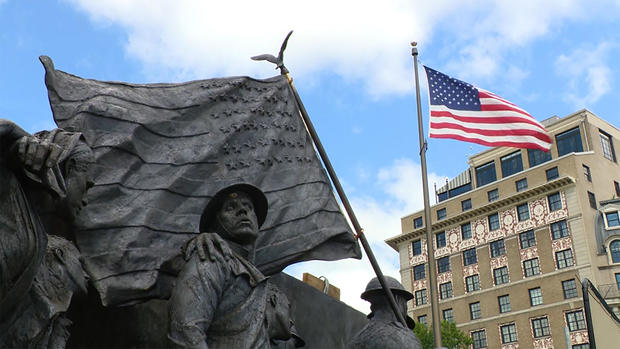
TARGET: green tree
(425,335)
(451,336)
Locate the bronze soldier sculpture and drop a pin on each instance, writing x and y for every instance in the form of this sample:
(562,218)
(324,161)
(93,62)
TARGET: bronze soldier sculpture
(221,301)
(44,178)
(384,330)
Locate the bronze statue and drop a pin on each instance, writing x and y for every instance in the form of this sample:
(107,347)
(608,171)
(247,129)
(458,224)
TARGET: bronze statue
(384,330)
(223,301)
(280,328)
(44,178)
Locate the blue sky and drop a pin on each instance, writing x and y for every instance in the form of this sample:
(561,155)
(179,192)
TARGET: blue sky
(352,66)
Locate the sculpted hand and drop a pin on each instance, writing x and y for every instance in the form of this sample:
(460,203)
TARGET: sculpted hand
(205,245)
(37,155)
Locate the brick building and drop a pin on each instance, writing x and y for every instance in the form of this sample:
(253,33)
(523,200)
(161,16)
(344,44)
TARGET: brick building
(516,232)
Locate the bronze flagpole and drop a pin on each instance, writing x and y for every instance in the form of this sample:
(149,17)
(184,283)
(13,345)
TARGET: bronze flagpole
(431,285)
(279,61)
(345,202)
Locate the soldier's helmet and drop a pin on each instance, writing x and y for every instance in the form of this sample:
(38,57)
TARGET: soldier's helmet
(374,287)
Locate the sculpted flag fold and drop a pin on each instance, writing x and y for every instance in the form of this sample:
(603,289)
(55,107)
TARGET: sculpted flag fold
(162,150)
(464,112)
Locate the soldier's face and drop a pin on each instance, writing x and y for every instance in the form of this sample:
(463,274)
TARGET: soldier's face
(238,218)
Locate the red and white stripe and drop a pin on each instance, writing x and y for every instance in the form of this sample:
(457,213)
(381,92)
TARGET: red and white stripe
(498,123)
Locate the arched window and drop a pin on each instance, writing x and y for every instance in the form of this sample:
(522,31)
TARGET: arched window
(614,248)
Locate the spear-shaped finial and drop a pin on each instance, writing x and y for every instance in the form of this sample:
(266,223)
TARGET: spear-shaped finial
(279,61)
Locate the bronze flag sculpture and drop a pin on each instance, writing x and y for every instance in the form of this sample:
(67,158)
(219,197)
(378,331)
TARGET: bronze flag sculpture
(162,150)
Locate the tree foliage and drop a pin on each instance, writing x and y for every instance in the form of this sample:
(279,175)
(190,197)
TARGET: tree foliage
(451,336)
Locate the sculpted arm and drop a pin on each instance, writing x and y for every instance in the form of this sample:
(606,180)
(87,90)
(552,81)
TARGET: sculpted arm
(193,303)
(31,154)
(9,134)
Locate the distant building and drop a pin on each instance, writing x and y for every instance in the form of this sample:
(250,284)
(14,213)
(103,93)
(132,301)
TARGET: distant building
(514,235)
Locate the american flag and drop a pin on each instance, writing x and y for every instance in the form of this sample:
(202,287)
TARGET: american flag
(462,111)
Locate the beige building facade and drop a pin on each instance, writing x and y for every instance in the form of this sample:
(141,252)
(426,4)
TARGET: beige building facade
(516,232)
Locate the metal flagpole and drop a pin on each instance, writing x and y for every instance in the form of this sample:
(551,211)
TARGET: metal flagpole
(345,202)
(431,286)
(279,61)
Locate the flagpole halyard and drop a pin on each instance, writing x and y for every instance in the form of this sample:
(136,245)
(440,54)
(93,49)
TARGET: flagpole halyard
(432,272)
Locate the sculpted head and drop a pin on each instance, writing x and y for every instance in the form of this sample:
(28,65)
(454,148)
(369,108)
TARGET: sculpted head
(235,213)
(237,218)
(375,294)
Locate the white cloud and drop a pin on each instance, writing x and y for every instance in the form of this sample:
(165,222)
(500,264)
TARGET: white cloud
(491,31)
(589,76)
(402,185)
(365,41)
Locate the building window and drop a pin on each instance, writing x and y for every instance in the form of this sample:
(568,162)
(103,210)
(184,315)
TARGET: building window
(485,174)
(581,346)
(555,202)
(459,190)
(445,290)
(469,257)
(497,248)
(500,275)
(586,173)
(531,267)
(443,196)
(466,205)
(575,321)
(493,195)
(493,222)
(537,157)
(523,212)
(474,311)
(448,315)
(618,281)
(417,223)
(612,219)
(617,188)
(419,272)
(504,303)
(443,264)
(480,339)
(509,333)
(440,239)
(511,163)
(423,320)
(441,214)
(608,146)
(592,200)
(535,296)
(420,297)
(559,229)
(540,327)
(570,288)
(416,246)
(472,283)
(614,249)
(564,258)
(569,141)
(527,239)
(466,231)
(521,184)
(552,173)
